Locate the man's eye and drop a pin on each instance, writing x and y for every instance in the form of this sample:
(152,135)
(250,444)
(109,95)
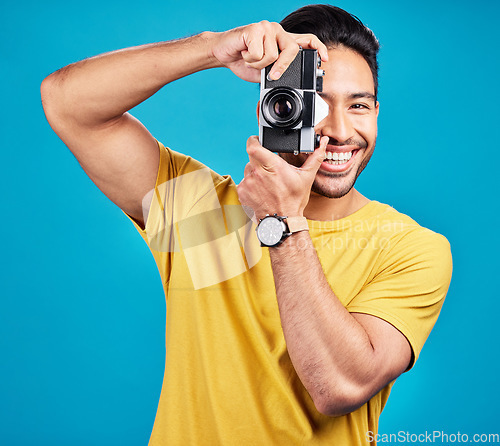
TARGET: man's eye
(360,107)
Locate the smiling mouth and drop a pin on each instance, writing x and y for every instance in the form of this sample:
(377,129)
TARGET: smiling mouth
(337,158)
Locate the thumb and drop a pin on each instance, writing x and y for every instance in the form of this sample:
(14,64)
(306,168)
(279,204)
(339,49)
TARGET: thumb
(315,159)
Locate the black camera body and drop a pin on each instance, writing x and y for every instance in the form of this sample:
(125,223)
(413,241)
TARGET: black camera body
(290,106)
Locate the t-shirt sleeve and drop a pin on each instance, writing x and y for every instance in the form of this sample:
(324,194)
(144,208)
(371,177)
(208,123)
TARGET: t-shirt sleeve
(184,187)
(173,165)
(410,286)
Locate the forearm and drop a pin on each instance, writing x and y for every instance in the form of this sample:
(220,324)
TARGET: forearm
(100,89)
(329,349)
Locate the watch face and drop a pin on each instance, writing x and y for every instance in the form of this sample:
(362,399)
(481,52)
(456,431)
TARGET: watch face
(270,231)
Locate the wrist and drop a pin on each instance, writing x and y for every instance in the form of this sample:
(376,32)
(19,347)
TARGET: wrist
(296,243)
(273,230)
(261,213)
(209,39)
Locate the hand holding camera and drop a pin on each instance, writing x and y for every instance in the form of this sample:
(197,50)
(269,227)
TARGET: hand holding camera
(248,49)
(271,185)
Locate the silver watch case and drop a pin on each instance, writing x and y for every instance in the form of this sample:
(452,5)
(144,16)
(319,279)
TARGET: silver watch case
(272,230)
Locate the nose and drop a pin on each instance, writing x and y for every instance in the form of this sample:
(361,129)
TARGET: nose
(337,125)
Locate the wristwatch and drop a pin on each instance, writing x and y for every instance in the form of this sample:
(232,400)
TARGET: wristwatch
(273,229)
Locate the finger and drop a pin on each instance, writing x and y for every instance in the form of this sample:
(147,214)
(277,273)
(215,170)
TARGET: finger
(245,204)
(312,41)
(261,157)
(271,52)
(315,159)
(255,47)
(240,190)
(289,49)
(248,170)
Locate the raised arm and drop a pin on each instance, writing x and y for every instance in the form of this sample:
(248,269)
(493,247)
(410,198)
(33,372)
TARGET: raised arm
(86,103)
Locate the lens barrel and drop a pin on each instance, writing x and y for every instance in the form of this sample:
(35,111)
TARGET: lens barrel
(282,107)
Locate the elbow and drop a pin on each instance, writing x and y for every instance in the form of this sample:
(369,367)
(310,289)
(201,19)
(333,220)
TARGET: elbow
(55,104)
(340,402)
(47,89)
(336,407)
(48,95)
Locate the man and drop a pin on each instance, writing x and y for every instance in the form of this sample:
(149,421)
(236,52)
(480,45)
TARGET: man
(297,343)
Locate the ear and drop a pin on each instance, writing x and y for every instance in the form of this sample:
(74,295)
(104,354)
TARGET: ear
(377,108)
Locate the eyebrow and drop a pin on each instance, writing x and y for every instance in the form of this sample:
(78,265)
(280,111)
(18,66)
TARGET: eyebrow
(357,95)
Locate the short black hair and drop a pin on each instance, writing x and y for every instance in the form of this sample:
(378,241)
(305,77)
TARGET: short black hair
(334,26)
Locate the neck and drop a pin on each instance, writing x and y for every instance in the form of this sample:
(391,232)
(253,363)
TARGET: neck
(326,209)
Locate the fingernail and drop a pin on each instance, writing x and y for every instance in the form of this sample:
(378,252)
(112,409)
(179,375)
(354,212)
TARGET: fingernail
(273,75)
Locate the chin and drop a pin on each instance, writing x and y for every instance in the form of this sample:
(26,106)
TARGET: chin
(330,192)
(332,185)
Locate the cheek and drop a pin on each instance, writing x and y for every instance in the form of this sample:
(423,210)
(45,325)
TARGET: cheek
(366,126)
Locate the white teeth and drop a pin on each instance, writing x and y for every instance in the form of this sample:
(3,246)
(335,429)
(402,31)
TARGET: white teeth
(338,158)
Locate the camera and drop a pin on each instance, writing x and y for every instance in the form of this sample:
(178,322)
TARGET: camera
(290,106)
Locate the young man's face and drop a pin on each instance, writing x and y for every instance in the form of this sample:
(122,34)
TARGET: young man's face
(351,123)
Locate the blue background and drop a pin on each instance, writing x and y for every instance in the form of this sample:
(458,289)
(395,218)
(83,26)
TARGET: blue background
(82,309)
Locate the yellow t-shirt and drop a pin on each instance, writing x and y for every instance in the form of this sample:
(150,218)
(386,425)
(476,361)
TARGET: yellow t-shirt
(228,377)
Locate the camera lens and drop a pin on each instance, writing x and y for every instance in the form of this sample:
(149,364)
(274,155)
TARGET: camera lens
(282,107)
